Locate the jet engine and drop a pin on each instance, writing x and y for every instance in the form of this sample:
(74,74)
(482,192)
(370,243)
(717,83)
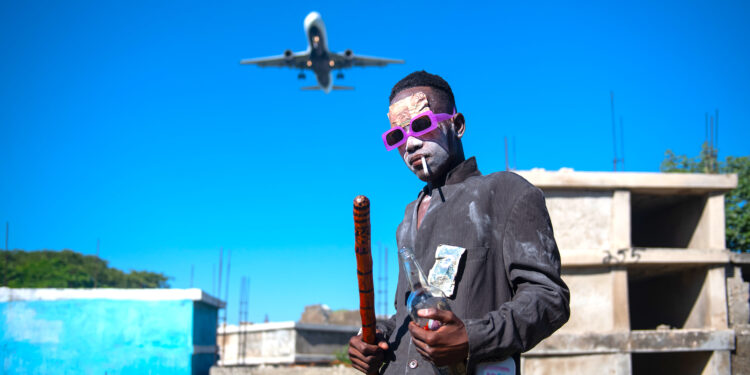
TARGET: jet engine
(348,54)
(288,55)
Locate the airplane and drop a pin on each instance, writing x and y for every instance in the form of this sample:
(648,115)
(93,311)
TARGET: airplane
(319,59)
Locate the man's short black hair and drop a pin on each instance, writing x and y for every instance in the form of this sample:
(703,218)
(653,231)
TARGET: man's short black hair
(421,78)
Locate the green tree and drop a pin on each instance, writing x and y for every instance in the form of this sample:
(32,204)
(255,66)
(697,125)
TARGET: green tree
(735,202)
(69,269)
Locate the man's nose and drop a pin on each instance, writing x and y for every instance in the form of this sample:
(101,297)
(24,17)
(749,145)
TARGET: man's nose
(413,144)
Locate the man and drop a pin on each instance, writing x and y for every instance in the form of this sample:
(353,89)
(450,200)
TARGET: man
(487,242)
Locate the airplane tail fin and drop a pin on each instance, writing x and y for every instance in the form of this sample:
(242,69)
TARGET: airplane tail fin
(343,87)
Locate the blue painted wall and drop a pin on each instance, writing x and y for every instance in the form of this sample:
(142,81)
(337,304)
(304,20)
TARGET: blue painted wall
(97,336)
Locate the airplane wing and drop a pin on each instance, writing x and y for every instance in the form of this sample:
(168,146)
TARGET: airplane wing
(335,87)
(347,59)
(295,60)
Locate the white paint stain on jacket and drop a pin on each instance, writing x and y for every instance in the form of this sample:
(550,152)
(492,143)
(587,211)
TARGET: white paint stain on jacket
(480,221)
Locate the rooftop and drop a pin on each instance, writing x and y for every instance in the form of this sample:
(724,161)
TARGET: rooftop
(50,294)
(666,183)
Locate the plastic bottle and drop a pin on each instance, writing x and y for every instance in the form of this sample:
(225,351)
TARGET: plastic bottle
(425,296)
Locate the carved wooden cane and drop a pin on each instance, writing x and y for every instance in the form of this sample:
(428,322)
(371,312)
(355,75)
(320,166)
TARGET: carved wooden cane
(364,267)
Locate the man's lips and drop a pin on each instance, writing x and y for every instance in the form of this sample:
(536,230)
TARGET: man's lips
(416,160)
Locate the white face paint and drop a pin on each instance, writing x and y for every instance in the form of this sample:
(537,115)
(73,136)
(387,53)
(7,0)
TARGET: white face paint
(433,146)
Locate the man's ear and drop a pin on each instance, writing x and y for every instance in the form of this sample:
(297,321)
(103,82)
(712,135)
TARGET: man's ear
(459,125)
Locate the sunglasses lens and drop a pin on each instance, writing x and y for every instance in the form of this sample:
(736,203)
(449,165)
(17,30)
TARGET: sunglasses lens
(420,124)
(394,136)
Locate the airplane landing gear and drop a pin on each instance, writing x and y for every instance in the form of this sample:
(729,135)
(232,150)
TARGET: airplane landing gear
(339,75)
(301,76)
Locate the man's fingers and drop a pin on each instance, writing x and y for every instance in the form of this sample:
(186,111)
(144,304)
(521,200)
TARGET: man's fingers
(356,364)
(423,349)
(421,334)
(365,357)
(368,359)
(365,366)
(362,346)
(360,365)
(383,345)
(443,316)
(354,353)
(422,341)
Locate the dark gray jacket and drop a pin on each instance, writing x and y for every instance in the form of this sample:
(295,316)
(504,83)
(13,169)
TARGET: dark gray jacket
(508,289)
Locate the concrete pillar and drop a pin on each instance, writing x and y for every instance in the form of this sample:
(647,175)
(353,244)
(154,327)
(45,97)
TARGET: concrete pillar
(716,290)
(620,304)
(710,231)
(719,364)
(620,230)
(716,227)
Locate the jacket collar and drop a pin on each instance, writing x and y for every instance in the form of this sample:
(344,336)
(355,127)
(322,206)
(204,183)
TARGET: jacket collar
(467,168)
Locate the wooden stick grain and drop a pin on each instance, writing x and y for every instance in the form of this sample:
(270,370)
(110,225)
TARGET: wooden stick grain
(364,267)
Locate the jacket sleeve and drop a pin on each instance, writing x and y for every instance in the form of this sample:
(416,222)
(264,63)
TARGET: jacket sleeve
(540,303)
(386,326)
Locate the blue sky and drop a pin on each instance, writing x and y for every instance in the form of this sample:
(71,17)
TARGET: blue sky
(133,122)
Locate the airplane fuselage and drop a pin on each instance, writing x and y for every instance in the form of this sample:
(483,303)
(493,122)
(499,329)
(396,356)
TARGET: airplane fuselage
(319,58)
(317,44)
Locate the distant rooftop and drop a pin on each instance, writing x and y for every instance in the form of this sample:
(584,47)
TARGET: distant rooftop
(567,178)
(50,294)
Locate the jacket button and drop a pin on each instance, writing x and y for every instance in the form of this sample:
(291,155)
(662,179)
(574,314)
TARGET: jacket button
(413,363)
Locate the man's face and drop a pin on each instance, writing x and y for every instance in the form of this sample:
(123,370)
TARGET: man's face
(437,146)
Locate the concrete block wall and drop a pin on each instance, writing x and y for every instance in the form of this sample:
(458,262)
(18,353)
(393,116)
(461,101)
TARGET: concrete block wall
(645,260)
(282,343)
(115,331)
(738,292)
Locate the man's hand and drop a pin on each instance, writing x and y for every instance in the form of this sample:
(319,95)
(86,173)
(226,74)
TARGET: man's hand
(448,345)
(365,357)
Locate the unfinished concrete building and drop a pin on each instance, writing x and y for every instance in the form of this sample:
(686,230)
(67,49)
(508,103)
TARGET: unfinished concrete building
(645,259)
(653,288)
(282,343)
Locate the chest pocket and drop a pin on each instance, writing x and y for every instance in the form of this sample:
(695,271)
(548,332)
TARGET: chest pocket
(476,254)
(474,289)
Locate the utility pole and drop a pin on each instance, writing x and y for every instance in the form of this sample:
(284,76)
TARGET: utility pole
(385,282)
(716,139)
(622,145)
(507,164)
(218,290)
(614,136)
(218,315)
(5,266)
(243,318)
(226,307)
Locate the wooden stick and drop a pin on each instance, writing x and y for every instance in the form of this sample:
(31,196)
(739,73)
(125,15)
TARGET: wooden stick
(364,267)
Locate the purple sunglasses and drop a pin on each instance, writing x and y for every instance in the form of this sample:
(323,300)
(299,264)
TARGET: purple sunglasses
(420,124)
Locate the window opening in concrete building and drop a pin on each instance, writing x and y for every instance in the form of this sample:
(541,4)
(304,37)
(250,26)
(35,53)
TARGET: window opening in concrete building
(665,220)
(667,297)
(684,363)
(320,342)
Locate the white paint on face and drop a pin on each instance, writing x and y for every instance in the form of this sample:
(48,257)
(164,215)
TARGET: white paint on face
(433,146)
(434,151)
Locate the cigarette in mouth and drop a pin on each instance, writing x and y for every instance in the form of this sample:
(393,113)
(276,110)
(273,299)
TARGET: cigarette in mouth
(424,167)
